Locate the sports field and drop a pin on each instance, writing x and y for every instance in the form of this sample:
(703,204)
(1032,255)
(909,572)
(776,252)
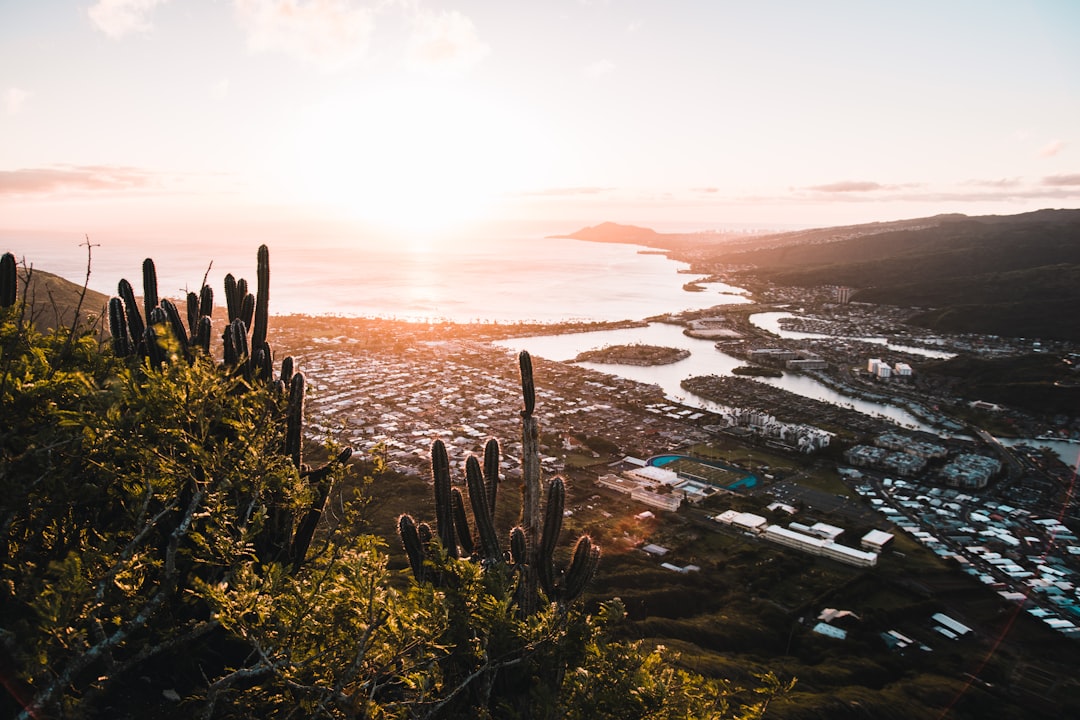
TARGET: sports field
(706,471)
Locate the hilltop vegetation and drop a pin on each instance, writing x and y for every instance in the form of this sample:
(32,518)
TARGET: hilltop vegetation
(168,549)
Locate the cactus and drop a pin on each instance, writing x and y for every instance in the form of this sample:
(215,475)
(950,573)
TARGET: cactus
(305,531)
(482,514)
(176,325)
(530,455)
(553,517)
(8,280)
(192,316)
(294,421)
(206,301)
(232,297)
(136,327)
(461,522)
(202,337)
(262,299)
(414,546)
(118,328)
(491,473)
(532,560)
(444,514)
(582,568)
(247,309)
(150,291)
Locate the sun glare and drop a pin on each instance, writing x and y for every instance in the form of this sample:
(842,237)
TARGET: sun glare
(417,161)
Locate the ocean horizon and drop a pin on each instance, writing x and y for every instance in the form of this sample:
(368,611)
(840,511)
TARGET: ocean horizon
(483,278)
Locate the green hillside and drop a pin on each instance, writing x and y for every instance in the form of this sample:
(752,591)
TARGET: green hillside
(1005,275)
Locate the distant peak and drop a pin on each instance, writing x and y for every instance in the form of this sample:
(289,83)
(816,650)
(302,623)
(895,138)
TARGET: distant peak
(614,232)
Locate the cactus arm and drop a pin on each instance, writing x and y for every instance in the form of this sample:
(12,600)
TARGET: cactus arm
(206,301)
(203,337)
(150,289)
(491,473)
(247,310)
(232,297)
(482,514)
(461,523)
(414,545)
(518,546)
(294,420)
(172,314)
(582,569)
(444,517)
(136,327)
(262,299)
(530,457)
(8,280)
(118,328)
(192,316)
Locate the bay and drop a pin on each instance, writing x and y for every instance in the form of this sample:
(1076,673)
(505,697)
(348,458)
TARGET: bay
(496,278)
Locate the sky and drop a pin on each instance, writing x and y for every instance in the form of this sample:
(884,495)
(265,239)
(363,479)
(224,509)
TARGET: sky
(302,116)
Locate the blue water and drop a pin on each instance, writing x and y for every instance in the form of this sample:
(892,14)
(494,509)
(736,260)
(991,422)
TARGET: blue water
(742,483)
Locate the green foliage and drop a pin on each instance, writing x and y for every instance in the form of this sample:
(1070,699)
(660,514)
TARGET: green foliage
(162,552)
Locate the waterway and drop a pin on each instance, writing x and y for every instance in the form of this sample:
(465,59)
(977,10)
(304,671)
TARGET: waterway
(771,321)
(704,359)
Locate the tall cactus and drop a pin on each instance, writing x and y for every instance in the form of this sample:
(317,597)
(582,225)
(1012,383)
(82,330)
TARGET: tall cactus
(532,561)
(150,289)
(118,328)
(136,326)
(8,280)
(530,454)
(262,300)
(232,297)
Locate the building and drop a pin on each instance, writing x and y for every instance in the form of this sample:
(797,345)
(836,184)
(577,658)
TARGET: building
(818,546)
(876,540)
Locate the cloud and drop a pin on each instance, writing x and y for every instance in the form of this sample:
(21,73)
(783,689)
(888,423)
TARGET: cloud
(564,191)
(847,187)
(1052,148)
(117,18)
(706,190)
(999,183)
(329,34)
(14,99)
(600,68)
(66,178)
(1061,180)
(445,41)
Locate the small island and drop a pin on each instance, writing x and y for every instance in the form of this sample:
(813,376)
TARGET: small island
(635,354)
(757,371)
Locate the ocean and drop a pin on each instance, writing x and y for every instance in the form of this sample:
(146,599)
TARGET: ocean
(496,278)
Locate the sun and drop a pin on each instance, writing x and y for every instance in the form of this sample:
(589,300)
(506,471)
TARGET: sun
(417,160)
